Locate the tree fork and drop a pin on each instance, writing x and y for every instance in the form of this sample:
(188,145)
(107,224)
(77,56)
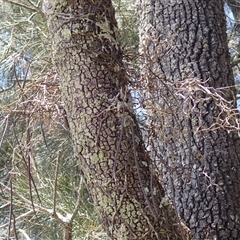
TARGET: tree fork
(116,167)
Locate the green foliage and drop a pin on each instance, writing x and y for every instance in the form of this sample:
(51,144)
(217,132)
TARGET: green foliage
(39,173)
(127,22)
(40,176)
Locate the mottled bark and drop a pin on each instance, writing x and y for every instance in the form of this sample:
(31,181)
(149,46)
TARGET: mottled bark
(186,62)
(118,172)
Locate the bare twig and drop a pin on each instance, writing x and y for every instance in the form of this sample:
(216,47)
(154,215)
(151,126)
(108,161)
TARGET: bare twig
(79,200)
(32,8)
(22,216)
(55,182)
(24,234)
(4,130)
(59,217)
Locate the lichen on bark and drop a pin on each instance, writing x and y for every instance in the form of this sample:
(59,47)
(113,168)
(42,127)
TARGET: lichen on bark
(117,169)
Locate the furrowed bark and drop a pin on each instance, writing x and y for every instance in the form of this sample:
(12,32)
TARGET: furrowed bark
(187,74)
(118,171)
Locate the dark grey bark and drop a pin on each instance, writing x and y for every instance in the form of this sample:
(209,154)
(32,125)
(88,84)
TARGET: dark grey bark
(187,73)
(118,171)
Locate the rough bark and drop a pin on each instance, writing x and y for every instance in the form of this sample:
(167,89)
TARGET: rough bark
(185,63)
(118,172)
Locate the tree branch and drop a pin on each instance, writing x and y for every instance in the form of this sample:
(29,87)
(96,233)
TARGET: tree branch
(58,217)
(33,8)
(18,218)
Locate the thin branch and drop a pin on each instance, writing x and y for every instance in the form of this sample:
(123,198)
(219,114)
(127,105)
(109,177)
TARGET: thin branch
(10,211)
(33,8)
(55,183)
(79,200)
(14,226)
(28,166)
(43,135)
(32,4)
(24,215)
(59,217)
(5,206)
(24,234)
(4,130)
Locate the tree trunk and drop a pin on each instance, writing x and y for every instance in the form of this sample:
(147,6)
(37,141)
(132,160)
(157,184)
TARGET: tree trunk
(189,81)
(118,172)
